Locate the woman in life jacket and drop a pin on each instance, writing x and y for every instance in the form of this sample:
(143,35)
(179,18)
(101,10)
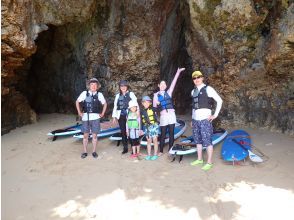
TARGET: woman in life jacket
(91,106)
(120,110)
(162,100)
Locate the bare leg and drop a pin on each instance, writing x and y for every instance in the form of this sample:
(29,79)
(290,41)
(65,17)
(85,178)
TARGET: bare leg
(134,150)
(138,149)
(199,151)
(149,146)
(209,150)
(155,143)
(94,141)
(85,142)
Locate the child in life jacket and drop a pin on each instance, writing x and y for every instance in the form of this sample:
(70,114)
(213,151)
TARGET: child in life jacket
(133,126)
(149,120)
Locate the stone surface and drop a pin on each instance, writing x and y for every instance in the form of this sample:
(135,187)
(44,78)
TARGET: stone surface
(245,48)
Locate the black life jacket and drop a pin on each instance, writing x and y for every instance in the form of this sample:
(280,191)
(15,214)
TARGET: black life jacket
(123,101)
(165,101)
(92,104)
(200,99)
(149,116)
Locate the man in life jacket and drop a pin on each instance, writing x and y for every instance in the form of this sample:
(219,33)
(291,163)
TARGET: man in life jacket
(120,110)
(91,106)
(202,97)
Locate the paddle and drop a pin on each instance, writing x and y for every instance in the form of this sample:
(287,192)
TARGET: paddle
(253,157)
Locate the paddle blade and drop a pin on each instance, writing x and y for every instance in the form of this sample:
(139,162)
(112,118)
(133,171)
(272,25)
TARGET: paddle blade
(255,158)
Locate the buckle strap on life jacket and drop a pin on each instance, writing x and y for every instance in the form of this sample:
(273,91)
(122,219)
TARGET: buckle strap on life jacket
(165,101)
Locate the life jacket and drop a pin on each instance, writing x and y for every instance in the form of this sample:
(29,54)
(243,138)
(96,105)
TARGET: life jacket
(123,101)
(200,99)
(165,101)
(149,116)
(92,104)
(133,120)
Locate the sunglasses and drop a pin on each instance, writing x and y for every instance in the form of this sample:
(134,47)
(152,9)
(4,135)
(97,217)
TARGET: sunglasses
(198,77)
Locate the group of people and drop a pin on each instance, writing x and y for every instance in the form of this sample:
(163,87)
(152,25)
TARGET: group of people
(157,116)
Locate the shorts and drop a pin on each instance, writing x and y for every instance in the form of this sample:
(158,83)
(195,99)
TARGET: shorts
(93,126)
(134,133)
(135,142)
(152,130)
(202,132)
(168,119)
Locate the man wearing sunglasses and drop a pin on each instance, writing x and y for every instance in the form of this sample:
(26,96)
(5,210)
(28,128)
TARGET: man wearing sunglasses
(202,97)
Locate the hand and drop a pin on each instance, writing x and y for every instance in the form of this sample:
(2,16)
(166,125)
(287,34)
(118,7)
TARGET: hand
(181,69)
(127,132)
(114,121)
(101,115)
(210,118)
(81,114)
(191,124)
(141,132)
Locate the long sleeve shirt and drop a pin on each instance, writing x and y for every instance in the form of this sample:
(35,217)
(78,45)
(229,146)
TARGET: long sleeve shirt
(115,112)
(204,113)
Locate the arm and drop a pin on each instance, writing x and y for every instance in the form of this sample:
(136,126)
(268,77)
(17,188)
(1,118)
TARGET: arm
(213,94)
(81,98)
(134,98)
(79,108)
(139,121)
(173,84)
(104,103)
(103,110)
(115,106)
(155,100)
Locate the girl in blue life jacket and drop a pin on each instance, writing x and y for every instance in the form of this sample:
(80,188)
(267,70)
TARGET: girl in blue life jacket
(163,100)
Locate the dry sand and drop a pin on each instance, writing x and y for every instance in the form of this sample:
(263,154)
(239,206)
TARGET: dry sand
(42,179)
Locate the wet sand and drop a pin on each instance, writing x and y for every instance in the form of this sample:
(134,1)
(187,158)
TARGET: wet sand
(42,179)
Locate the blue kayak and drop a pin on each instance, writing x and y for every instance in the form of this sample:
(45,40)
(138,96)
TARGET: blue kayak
(236,146)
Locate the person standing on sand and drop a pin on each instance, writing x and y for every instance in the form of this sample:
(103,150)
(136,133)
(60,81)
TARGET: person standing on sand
(149,120)
(202,96)
(163,101)
(120,110)
(91,106)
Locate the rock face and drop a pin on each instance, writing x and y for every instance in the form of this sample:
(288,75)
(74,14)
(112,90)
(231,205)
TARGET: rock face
(245,48)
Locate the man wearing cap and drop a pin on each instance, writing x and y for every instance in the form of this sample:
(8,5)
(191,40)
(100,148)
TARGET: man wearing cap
(202,96)
(120,110)
(91,106)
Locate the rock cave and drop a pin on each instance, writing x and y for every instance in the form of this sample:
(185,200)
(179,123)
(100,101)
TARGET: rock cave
(245,50)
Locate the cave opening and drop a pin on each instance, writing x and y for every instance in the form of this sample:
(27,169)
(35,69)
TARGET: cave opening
(55,75)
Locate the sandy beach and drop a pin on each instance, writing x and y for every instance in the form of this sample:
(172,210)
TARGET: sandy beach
(42,179)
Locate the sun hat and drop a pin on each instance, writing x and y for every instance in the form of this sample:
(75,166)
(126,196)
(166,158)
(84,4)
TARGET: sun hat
(146,98)
(132,103)
(93,80)
(196,73)
(123,83)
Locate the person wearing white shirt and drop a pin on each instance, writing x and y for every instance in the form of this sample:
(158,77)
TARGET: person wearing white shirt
(91,106)
(202,97)
(120,110)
